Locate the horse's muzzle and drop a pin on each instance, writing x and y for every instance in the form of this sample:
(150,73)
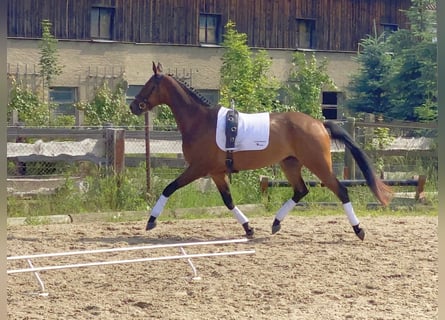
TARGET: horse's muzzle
(137,108)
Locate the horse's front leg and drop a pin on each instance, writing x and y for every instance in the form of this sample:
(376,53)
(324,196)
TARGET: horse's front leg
(189,175)
(222,183)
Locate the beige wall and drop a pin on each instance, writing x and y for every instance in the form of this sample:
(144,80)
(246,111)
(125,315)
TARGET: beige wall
(85,61)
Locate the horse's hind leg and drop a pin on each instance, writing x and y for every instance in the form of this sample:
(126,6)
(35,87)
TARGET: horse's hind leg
(330,181)
(292,170)
(342,193)
(221,182)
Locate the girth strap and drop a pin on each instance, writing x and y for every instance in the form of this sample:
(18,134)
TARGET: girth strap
(231,132)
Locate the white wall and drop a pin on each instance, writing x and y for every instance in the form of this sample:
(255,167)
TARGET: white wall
(84,60)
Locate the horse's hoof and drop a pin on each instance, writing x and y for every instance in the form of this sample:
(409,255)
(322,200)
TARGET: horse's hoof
(359,232)
(249,230)
(150,225)
(276,226)
(250,233)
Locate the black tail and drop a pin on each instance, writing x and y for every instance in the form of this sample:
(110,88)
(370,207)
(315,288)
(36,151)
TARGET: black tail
(382,192)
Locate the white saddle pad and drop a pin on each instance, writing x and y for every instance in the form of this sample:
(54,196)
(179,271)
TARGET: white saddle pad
(253,131)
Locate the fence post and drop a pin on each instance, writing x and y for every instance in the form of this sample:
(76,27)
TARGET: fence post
(349,160)
(19,165)
(147,152)
(15,118)
(368,132)
(115,149)
(264,184)
(80,116)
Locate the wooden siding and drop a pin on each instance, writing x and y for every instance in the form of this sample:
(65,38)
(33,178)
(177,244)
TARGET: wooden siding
(339,26)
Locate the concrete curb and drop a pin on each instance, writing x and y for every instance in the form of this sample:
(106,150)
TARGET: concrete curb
(39,220)
(120,215)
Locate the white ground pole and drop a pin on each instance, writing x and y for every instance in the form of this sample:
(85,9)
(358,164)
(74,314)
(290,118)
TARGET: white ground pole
(184,255)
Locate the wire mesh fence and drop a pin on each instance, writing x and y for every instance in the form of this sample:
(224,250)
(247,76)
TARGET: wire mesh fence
(54,151)
(80,162)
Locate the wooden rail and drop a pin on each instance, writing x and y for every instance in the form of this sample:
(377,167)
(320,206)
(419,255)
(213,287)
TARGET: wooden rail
(417,182)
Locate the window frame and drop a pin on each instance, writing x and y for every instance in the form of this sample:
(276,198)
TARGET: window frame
(98,32)
(63,105)
(309,33)
(212,95)
(205,30)
(330,103)
(132,87)
(388,28)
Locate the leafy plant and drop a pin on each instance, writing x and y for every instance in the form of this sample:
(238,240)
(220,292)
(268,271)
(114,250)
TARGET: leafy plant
(34,110)
(369,87)
(108,106)
(31,110)
(64,121)
(413,80)
(397,75)
(164,118)
(307,79)
(381,138)
(49,61)
(244,75)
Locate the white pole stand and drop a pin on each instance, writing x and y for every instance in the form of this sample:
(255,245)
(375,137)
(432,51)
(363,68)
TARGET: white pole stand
(195,273)
(42,292)
(181,246)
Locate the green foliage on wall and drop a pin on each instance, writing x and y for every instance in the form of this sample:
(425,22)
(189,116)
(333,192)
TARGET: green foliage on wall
(108,106)
(245,75)
(31,110)
(307,78)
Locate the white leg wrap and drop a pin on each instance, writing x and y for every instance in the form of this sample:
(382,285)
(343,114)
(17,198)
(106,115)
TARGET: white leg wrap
(353,220)
(159,206)
(239,215)
(285,209)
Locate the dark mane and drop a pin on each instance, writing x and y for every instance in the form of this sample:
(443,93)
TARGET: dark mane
(195,94)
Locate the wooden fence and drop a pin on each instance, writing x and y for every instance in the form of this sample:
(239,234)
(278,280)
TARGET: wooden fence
(111,147)
(423,147)
(117,148)
(416,183)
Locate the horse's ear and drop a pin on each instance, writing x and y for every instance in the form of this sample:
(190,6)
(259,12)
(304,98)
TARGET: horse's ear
(159,67)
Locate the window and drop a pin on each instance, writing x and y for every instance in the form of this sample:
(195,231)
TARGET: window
(431,11)
(102,23)
(329,104)
(305,33)
(211,95)
(434,31)
(64,98)
(330,97)
(389,28)
(132,91)
(209,28)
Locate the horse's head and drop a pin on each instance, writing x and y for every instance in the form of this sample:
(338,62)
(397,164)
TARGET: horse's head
(148,97)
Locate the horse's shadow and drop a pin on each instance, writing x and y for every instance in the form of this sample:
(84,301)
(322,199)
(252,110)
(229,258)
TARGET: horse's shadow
(145,240)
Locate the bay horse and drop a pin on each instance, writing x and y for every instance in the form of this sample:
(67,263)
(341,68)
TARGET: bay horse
(295,140)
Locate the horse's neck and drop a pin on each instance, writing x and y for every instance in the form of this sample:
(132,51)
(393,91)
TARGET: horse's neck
(187,111)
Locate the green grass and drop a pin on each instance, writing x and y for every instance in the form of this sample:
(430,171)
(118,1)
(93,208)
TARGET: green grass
(127,193)
(312,211)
